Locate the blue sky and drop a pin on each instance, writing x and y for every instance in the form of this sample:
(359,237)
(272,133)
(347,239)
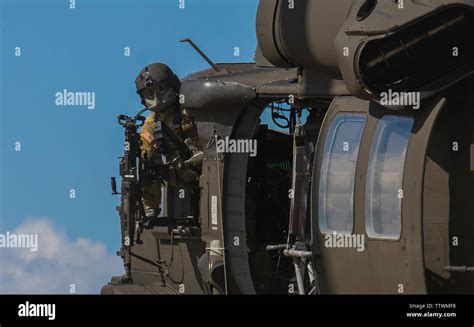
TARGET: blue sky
(82,49)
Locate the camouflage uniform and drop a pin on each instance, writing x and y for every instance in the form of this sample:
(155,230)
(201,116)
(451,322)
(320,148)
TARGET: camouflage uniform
(156,143)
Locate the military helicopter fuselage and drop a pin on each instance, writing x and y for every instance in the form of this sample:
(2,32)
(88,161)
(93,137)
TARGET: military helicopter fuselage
(367,187)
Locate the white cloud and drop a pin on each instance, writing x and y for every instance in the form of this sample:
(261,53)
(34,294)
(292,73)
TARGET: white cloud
(58,263)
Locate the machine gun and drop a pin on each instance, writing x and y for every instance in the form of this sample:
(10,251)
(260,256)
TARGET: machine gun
(131,210)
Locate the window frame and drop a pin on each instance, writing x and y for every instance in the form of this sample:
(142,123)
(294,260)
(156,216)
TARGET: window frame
(376,139)
(329,140)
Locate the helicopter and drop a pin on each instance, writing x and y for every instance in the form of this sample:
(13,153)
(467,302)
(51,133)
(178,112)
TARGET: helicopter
(367,186)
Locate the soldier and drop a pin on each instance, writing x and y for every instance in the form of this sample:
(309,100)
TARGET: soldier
(168,131)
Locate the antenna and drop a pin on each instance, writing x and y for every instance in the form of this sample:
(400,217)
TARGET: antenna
(201,53)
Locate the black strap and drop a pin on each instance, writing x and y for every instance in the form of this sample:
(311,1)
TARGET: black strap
(178,144)
(158,136)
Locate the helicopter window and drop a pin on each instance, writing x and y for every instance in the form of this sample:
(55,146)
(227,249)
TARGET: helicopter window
(385,177)
(336,183)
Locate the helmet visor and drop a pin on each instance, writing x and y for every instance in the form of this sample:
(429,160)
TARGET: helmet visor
(156,88)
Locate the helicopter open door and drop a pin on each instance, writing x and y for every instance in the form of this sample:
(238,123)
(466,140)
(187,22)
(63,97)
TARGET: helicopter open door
(366,198)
